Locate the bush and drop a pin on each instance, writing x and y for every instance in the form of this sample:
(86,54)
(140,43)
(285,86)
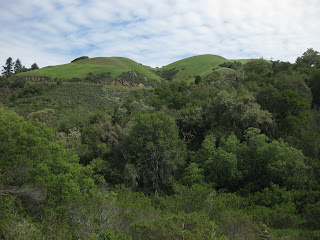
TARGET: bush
(312,214)
(113,235)
(188,199)
(271,196)
(233,65)
(237,225)
(175,226)
(279,216)
(80,58)
(284,216)
(18,82)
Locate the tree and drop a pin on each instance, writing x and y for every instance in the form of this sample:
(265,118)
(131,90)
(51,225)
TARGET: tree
(309,58)
(192,174)
(295,82)
(17,66)
(221,165)
(7,69)
(291,103)
(173,94)
(278,66)
(31,156)
(276,162)
(198,79)
(253,164)
(315,87)
(24,69)
(154,148)
(285,165)
(34,66)
(237,109)
(258,66)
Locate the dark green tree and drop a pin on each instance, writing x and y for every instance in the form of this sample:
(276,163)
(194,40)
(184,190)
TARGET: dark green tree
(309,58)
(154,148)
(8,68)
(192,174)
(17,66)
(197,79)
(315,87)
(268,162)
(278,66)
(291,103)
(174,95)
(34,66)
(258,66)
(221,165)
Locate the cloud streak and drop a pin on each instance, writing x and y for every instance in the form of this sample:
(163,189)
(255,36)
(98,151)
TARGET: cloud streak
(155,33)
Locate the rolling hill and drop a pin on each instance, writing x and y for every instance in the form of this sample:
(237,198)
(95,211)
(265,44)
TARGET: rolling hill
(188,68)
(81,68)
(127,70)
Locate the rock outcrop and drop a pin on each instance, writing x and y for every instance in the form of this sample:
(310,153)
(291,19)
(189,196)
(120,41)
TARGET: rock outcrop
(38,79)
(120,82)
(123,80)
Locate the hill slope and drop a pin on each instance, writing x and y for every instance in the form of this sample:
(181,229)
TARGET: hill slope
(188,68)
(81,68)
(193,66)
(123,68)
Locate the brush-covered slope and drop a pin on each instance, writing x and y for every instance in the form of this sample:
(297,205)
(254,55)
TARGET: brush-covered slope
(68,102)
(81,68)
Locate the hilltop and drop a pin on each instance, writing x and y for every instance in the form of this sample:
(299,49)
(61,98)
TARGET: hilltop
(108,67)
(200,65)
(111,69)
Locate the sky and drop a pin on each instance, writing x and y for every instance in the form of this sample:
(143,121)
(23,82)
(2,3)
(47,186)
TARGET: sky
(156,33)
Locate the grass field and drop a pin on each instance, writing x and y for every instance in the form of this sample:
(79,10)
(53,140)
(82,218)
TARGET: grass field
(80,69)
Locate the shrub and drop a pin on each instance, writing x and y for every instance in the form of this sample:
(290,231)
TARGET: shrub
(312,213)
(80,58)
(176,226)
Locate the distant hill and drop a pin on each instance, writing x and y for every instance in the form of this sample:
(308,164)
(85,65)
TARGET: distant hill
(112,69)
(80,69)
(188,68)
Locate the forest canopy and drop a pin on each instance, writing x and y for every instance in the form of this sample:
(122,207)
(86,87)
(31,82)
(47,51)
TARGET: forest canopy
(231,155)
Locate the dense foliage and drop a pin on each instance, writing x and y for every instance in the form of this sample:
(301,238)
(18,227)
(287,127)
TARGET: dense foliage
(234,156)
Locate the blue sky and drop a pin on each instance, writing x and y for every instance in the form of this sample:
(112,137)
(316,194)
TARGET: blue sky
(156,33)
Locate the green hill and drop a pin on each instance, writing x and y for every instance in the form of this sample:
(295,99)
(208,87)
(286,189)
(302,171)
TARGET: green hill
(99,65)
(188,68)
(123,68)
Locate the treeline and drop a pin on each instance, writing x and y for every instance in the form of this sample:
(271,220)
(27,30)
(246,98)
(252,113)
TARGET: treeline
(12,67)
(235,156)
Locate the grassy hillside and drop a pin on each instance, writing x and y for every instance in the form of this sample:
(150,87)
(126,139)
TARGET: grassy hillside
(80,69)
(192,66)
(185,69)
(188,68)
(242,61)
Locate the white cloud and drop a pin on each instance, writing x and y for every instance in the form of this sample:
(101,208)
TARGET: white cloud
(156,33)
